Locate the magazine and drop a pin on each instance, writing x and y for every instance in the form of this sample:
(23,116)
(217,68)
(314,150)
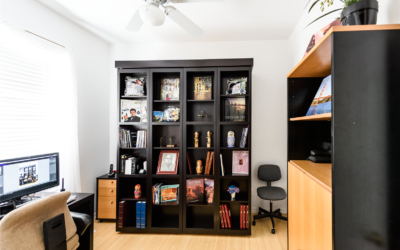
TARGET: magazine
(133,111)
(170,89)
(322,102)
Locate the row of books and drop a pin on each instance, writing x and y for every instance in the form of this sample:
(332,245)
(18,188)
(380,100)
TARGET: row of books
(130,165)
(209,163)
(244,216)
(226,217)
(124,214)
(195,190)
(165,193)
(141,214)
(133,139)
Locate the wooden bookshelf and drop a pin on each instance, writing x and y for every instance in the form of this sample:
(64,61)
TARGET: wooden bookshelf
(321,117)
(180,217)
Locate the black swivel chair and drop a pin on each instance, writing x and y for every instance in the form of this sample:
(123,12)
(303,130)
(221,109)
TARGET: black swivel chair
(270,173)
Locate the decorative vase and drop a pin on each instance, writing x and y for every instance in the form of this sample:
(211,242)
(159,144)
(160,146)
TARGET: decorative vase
(231,139)
(361,13)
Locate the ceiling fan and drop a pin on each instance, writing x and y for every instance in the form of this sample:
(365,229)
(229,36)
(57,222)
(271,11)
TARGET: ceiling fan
(150,13)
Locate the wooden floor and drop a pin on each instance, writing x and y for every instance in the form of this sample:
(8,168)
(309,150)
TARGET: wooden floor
(105,237)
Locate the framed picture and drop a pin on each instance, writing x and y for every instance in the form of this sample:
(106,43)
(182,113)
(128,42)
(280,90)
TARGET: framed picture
(203,88)
(170,89)
(235,109)
(135,86)
(236,86)
(168,162)
(240,162)
(133,111)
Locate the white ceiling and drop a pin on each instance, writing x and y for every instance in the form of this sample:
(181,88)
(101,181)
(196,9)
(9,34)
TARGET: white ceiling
(230,20)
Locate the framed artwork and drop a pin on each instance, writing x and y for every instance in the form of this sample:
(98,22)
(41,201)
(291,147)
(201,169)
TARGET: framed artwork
(234,109)
(170,89)
(240,162)
(202,88)
(133,111)
(135,86)
(236,86)
(168,162)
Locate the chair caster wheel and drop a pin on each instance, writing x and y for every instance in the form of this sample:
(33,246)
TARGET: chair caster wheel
(259,213)
(254,222)
(273,231)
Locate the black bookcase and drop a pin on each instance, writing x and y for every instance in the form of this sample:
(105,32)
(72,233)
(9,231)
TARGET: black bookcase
(183,217)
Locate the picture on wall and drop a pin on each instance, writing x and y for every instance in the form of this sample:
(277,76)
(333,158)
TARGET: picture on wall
(240,162)
(135,86)
(236,86)
(235,109)
(322,102)
(168,162)
(170,89)
(133,111)
(203,88)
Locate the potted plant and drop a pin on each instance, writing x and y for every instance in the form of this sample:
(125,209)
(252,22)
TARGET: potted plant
(354,12)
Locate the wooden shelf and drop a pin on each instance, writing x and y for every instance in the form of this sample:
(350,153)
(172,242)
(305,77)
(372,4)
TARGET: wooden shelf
(199,204)
(234,123)
(188,176)
(200,123)
(174,101)
(133,199)
(321,117)
(235,177)
(132,176)
(200,100)
(166,148)
(166,123)
(133,148)
(133,97)
(171,203)
(235,148)
(317,63)
(169,176)
(133,123)
(320,172)
(235,96)
(204,148)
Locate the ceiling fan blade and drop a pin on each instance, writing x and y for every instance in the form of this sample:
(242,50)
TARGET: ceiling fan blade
(183,21)
(135,23)
(194,1)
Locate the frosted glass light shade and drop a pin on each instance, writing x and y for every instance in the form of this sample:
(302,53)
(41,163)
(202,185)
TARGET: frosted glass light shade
(152,15)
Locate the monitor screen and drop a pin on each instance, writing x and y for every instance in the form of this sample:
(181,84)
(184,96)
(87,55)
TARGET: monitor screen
(23,176)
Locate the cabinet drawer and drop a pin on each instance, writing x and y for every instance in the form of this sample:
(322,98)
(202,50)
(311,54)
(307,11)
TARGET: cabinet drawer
(108,183)
(107,192)
(107,207)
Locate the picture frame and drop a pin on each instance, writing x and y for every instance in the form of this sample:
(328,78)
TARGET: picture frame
(236,86)
(170,89)
(168,162)
(240,163)
(135,86)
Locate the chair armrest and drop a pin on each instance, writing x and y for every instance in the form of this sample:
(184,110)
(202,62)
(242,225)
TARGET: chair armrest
(82,222)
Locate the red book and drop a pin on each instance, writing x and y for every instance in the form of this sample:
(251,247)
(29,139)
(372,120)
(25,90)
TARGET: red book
(228,215)
(190,162)
(122,214)
(244,217)
(247,216)
(221,215)
(241,216)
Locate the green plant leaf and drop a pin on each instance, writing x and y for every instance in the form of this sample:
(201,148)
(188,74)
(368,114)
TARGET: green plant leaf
(322,16)
(312,6)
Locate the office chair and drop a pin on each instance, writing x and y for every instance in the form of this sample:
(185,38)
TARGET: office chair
(270,173)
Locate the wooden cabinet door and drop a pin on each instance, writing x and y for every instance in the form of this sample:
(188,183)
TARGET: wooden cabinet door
(296,208)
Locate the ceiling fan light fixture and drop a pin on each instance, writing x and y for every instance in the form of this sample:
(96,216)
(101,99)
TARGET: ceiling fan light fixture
(151,14)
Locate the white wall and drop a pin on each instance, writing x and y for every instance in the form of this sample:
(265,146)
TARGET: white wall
(269,95)
(389,13)
(91,61)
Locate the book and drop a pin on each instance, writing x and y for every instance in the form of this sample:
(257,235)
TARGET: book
(157,195)
(209,190)
(133,111)
(195,190)
(235,109)
(190,162)
(224,215)
(207,160)
(158,116)
(247,216)
(169,193)
(228,215)
(221,217)
(322,102)
(143,215)
(138,214)
(135,86)
(319,35)
(133,138)
(203,88)
(244,137)
(241,216)
(128,166)
(122,214)
(170,89)
(240,163)
(222,166)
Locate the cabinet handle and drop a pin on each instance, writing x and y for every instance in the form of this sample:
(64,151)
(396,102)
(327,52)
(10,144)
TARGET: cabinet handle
(112,182)
(111,202)
(111,190)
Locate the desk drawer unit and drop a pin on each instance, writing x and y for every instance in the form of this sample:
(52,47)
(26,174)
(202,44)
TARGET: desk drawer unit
(106,199)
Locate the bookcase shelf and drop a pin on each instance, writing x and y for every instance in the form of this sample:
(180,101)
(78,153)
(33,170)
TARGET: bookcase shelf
(321,117)
(180,217)
(133,97)
(234,177)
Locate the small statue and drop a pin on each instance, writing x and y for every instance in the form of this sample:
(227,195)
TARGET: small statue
(177,144)
(233,190)
(138,191)
(170,140)
(231,139)
(196,139)
(199,167)
(161,142)
(201,114)
(209,139)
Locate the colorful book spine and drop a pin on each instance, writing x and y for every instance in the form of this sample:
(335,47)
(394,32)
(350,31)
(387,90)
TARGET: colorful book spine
(138,204)
(143,215)
(247,216)
(241,216)
(221,215)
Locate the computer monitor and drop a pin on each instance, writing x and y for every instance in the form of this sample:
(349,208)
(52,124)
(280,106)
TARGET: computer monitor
(27,175)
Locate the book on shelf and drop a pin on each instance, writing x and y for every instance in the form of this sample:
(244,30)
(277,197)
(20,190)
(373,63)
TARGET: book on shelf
(207,161)
(138,214)
(156,193)
(170,193)
(190,162)
(143,215)
(228,215)
(240,163)
(221,217)
(202,88)
(222,166)
(195,190)
(210,157)
(225,216)
(247,216)
(122,214)
(243,140)
(322,102)
(241,216)
(209,190)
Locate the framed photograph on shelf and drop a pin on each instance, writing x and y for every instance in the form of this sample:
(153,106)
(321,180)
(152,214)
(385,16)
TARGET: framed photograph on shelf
(170,89)
(203,88)
(135,86)
(240,163)
(234,110)
(168,162)
(133,111)
(236,86)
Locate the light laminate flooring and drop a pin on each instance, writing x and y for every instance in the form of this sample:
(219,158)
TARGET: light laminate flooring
(105,237)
